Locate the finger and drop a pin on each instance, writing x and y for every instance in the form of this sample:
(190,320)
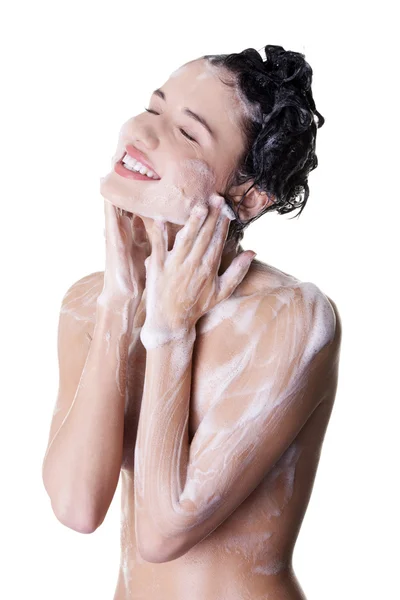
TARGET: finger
(204,237)
(216,245)
(159,241)
(186,237)
(234,275)
(126,229)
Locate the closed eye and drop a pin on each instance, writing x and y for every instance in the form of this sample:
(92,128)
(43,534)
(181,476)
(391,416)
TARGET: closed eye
(180,129)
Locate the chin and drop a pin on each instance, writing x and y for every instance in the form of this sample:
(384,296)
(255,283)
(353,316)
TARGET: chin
(117,193)
(144,200)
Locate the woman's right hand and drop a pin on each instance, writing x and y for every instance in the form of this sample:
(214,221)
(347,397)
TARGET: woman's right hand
(127,247)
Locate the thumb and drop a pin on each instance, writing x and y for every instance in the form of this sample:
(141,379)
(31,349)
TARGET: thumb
(234,275)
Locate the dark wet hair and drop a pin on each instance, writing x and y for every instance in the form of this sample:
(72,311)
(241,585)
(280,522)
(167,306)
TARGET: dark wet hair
(280,129)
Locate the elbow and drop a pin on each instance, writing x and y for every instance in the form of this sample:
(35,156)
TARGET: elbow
(67,514)
(161,551)
(155,547)
(79,523)
(151,555)
(150,546)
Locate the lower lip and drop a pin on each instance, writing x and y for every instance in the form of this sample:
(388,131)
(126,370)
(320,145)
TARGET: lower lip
(124,172)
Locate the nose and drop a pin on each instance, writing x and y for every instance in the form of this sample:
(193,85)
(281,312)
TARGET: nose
(146,135)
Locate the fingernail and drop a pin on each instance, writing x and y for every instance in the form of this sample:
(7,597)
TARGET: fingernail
(226,210)
(216,200)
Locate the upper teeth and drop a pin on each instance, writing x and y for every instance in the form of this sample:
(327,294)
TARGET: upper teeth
(134,165)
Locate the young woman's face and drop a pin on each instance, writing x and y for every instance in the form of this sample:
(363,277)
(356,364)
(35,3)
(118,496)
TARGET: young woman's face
(189,170)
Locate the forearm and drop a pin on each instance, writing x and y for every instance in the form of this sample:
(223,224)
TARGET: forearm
(162,446)
(82,466)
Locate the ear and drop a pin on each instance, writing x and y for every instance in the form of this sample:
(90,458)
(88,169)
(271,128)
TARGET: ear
(254,201)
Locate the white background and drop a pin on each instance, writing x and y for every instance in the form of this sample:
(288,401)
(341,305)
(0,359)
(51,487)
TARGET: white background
(71,74)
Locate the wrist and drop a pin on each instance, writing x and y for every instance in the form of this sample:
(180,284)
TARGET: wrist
(121,310)
(154,337)
(117,303)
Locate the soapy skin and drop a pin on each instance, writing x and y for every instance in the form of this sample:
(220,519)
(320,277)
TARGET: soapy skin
(183,284)
(127,248)
(189,172)
(227,370)
(184,491)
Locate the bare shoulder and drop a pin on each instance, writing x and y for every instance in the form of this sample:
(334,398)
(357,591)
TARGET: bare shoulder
(79,302)
(302,311)
(277,288)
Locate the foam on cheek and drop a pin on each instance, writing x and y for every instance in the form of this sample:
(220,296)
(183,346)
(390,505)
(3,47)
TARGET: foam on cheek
(171,198)
(180,192)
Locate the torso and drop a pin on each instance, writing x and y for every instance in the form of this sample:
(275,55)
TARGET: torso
(249,556)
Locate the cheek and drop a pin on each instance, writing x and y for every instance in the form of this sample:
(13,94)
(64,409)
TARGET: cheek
(195,181)
(184,184)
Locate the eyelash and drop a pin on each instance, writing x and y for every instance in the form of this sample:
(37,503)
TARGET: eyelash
(189,137)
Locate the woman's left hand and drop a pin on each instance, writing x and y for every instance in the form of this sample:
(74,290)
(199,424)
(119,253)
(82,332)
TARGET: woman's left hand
(183,284)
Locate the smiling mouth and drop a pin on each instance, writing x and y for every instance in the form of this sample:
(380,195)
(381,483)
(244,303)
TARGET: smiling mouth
(132,164)
(121,169)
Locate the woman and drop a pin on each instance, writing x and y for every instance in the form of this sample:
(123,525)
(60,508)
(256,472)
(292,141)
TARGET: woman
(204,378)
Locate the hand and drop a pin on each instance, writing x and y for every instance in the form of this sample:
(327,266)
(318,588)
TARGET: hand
(127,247)
(183,284)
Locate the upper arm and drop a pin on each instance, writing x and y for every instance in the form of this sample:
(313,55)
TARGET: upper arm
(290,365)
(75,326)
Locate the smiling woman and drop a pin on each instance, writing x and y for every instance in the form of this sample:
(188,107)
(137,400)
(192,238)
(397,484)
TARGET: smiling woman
(209,378)
(189,135)
(248,132)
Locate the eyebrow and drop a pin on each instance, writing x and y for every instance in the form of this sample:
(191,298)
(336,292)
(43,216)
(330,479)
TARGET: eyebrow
(190,113)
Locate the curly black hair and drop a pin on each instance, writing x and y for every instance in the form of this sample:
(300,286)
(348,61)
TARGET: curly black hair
(280,129)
